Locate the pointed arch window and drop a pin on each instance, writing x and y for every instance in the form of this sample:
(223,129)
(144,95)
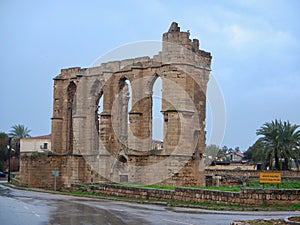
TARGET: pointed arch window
(99,110)
(157,116)
(71,96)
(125,106)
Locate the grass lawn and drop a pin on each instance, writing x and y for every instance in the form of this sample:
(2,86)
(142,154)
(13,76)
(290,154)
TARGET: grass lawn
(254,184)
(171,188)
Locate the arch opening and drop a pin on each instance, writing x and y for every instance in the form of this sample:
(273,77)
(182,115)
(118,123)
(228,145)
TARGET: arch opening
(124,107)
(71,90)
(157,116)
(99,110)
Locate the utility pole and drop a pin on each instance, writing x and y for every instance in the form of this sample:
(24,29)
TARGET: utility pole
(9,153)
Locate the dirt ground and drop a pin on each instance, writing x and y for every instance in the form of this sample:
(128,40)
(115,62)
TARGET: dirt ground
(259,222)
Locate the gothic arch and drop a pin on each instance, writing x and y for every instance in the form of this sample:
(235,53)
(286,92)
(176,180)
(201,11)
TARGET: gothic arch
(156,114)
(97,94)
(123,108)
(96,88)
(150,83)
(71,90)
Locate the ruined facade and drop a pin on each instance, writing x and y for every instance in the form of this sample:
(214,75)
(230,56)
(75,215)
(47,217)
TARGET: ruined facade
(116,144)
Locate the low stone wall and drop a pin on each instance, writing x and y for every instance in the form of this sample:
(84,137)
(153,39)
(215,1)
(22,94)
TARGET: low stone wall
(238,177)
(255,197)
(129,192)
(250,173)
(246,197)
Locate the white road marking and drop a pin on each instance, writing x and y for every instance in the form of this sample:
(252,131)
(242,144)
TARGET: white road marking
(120,210)
(177,222)
(35,214)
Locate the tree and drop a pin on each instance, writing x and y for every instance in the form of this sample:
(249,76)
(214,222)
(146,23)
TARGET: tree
(3,150)
(280,142)
(212,150)
(237,149)
(222,154)
(18,132)
(255,153)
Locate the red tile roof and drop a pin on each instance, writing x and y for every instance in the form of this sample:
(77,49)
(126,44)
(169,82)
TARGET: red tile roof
(41,137)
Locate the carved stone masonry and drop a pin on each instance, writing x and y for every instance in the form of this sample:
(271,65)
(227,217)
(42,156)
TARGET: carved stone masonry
(117,144)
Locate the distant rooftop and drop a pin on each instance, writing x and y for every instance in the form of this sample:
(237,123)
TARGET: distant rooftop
(48,136)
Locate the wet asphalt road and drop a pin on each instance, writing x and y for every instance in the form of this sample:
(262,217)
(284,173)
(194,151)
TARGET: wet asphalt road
(34,208)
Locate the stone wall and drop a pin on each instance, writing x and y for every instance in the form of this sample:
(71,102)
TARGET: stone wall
(186,176)
(37,171)
(246,197)
(250,173)
(238,177)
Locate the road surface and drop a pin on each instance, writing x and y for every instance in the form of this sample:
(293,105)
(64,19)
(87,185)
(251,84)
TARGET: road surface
(36,208)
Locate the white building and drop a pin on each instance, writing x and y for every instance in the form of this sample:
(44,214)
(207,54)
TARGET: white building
(35,144)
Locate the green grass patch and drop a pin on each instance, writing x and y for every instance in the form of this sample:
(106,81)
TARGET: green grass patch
(147,186)
(283,185)
(214,188)
(293,207)
(254,184)
(89,193)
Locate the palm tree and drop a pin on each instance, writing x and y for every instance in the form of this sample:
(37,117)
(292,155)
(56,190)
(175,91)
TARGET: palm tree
(19,131)
(280,141)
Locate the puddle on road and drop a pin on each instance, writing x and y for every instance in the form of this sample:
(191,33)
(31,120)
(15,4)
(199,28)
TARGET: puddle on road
(81,213)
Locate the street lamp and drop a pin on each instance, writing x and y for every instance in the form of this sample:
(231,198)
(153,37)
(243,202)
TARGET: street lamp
(9,152)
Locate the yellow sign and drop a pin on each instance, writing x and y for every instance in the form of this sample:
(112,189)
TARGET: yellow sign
(270,177)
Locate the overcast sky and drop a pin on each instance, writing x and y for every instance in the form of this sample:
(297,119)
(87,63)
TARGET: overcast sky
(255,47)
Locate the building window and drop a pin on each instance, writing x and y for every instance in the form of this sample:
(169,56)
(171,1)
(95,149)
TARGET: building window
(44,146)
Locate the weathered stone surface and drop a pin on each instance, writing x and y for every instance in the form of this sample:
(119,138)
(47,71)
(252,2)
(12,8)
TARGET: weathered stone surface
(245,197)
(240,177)
(112,149)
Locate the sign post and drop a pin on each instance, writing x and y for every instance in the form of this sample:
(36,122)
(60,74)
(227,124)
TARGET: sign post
(270,178)
(55,173)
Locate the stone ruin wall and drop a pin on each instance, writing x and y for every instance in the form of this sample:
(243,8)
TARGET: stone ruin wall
(245,197)
(37,172)
(224,177)
(115,151)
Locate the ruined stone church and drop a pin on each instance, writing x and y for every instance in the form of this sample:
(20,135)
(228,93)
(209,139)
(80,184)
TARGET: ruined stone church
(116,145)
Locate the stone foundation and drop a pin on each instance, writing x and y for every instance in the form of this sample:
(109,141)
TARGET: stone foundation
(246,197)
(37,172)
